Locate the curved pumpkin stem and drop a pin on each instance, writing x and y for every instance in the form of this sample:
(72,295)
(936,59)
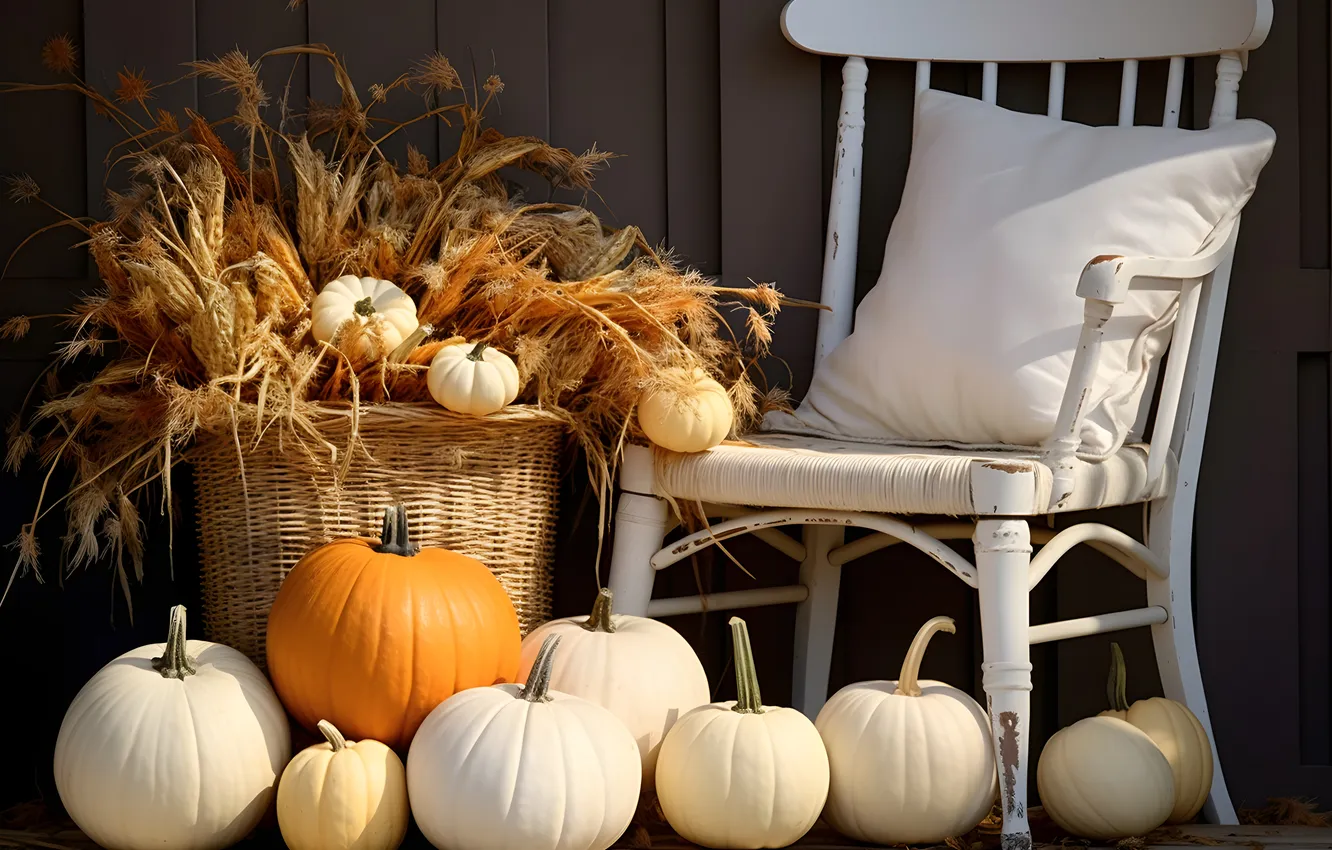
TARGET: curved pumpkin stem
(175,662)
(477,353)
(332,735)
(395,539)
(908,681)
(1116,687)
(748,700)
(600,620)
(537,688)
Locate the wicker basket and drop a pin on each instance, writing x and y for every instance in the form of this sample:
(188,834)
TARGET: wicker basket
(483,487)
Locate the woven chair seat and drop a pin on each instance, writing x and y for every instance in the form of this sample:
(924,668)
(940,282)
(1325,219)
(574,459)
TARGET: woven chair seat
(784,470)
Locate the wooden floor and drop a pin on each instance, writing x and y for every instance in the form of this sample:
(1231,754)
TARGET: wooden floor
(31,826)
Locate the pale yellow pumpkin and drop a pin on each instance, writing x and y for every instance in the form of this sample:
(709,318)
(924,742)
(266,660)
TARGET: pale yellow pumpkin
(689,413)
(1176,732)
(1103,778)
(343,795)
(473,378)
(742,774)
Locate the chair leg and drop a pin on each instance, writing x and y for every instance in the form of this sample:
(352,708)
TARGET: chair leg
(1003,559)
(1181,677)
(816,619)
(640,528)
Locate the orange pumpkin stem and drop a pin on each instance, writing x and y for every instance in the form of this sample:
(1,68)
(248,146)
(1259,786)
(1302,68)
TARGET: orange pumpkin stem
(537,688)
(395,538)
(601,621)
(175,662)
(1116,687)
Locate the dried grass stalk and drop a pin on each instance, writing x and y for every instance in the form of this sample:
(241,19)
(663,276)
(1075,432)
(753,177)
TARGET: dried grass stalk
(209,266)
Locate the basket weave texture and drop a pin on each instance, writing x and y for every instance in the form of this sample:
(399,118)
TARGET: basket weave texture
(485,487)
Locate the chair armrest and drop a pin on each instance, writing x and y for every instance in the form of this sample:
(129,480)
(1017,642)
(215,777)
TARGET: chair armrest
(1105,282)
(1110,277)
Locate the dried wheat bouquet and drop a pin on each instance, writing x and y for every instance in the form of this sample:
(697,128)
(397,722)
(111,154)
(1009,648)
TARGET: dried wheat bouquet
(211,259)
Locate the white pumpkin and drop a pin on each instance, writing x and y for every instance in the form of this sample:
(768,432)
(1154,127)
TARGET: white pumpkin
(742,774)
(1104,779)
(175,746)
(343,795)
(522,766)
(1176,732)
(912,762)
(642,670)
(363,316)
(691,413)
(472,378)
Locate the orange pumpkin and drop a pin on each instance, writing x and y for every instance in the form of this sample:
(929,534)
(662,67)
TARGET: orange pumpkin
(371,636)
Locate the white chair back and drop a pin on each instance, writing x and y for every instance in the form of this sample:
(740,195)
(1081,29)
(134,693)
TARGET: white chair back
(994,32)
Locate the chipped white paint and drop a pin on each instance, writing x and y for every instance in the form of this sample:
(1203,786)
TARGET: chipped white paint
(839,253)
(1055,31)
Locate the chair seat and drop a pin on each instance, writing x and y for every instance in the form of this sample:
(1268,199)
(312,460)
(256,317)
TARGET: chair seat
(796,471)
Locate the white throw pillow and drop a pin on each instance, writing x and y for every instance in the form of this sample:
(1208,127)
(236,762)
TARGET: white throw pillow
(968,337)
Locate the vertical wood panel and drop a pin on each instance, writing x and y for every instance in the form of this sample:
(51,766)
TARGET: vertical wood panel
(693,132)
(1313,442)
(611,92)
(253,27)
(772,214)
(44,139)
(378,42)
(508,39)
(115,41)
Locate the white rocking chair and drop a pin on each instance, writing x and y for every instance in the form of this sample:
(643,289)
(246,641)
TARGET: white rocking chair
(826,485)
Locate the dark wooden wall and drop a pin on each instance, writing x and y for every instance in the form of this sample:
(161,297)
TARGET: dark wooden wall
(726,133)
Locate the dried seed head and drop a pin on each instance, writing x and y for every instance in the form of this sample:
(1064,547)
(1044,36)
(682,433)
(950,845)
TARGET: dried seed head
(437,74)
(16,328)
(133,87)
(494,85)
(60,55)
(22,188)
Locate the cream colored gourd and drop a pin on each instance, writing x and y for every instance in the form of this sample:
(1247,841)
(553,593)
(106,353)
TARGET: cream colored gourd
(363,316)
(692,413)
(911,761)
(175,746)
(523,766)
(741,774)
(639,669)
(1104,779)
(1175,731)
(343,795)
(472,378)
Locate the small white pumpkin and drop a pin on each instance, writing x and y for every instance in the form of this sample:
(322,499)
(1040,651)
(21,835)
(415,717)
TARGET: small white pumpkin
(640,669)
(472,378)
(363,316)
(522,766)
(690,413)
(1104,779)
(912,762)
(343,795)
(176,746)
(741,774)
(1176,732)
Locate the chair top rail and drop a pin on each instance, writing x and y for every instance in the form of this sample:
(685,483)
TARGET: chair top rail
(1026,30)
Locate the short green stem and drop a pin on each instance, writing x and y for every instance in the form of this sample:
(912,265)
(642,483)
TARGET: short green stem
(537,688)
(748,700)
(908,681)
(600,620)
(1116,686)
(175,662)
(395,539)
(478,353)
(332,735)
(365,307)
